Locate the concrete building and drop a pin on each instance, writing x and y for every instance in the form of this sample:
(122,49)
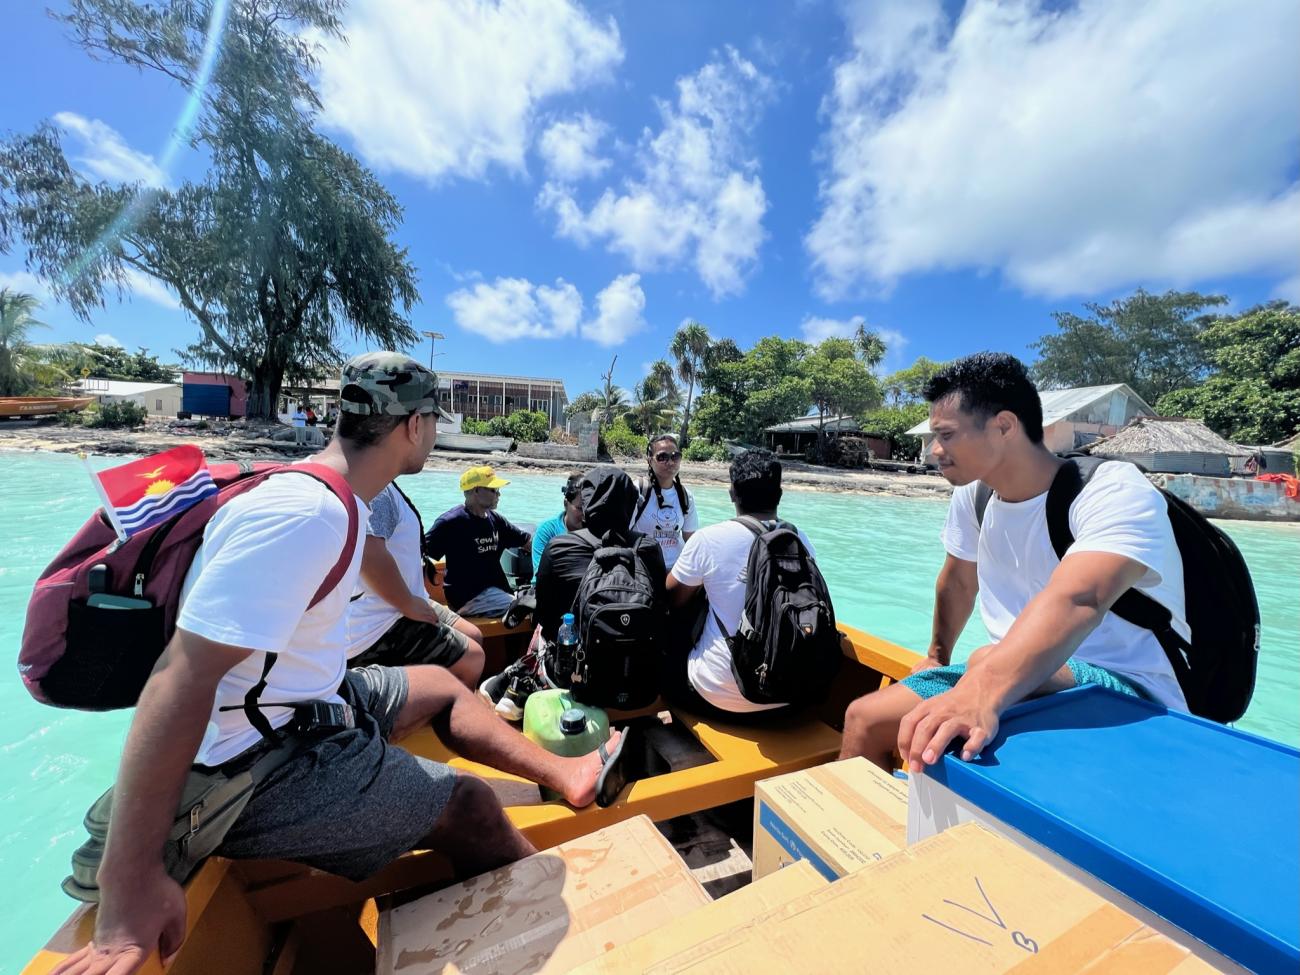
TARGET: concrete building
(160,399)
(1074,418)
(483,395)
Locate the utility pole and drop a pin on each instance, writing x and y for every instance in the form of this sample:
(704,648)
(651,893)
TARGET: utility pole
(433,337)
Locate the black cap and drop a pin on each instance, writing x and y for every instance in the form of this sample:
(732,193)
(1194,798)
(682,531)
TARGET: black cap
(573,721)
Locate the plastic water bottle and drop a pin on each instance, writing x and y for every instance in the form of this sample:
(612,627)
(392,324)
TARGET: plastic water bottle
(567,647)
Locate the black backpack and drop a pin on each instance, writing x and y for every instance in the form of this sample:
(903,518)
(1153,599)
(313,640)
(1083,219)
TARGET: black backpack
(787,649)
(620,614)
(1216,671)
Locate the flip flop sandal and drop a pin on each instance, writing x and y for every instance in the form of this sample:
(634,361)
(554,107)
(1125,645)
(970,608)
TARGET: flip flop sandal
(613,772)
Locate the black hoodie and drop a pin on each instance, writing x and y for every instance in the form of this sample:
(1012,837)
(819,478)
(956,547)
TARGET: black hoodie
(609,499)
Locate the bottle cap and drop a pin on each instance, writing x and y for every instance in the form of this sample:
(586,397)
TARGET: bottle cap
(567,618)
(573,721)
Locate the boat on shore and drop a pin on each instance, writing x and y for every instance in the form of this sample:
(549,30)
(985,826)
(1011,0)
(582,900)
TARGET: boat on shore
(30,406)
(472,443)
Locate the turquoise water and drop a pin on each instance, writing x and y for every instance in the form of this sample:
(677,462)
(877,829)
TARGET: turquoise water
(879,554)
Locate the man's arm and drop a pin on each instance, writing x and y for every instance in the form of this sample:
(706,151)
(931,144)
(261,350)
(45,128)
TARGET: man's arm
(513,536)
(1040,641)
(954,600)
(141,908)
(381,575)
(679,593)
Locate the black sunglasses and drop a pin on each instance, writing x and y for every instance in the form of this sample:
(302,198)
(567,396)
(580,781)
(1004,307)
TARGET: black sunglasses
(664,456)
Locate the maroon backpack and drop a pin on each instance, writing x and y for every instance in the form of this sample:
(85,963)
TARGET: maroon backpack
(103,611)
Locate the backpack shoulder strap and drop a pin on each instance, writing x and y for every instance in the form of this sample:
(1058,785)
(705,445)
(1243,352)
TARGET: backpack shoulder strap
(983,495)
(335,481)
(643,490)
(753,524)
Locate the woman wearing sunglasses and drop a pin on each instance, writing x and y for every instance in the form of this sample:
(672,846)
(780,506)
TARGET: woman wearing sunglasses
(666,510)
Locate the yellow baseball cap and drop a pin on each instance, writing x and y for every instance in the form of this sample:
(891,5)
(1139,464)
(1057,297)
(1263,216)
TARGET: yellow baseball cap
(480,477)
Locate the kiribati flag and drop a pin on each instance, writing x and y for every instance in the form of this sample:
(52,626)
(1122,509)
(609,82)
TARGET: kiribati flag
(145,492)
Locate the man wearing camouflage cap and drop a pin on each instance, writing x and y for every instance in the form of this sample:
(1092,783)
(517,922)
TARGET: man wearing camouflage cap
(253,627)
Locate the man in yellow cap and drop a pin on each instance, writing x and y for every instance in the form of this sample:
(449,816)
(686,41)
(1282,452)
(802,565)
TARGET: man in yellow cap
(471,537)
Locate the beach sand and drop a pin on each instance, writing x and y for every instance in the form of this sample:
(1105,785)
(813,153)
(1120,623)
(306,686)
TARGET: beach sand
(237,441)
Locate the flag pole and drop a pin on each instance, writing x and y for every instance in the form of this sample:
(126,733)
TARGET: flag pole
(109,511)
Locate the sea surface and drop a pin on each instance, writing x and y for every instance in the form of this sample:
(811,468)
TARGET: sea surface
(879,554)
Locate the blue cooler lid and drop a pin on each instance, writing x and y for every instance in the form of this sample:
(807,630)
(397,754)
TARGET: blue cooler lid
(1198,822)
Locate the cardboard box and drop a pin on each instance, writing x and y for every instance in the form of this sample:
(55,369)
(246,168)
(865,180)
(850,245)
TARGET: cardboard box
(964,901)
(723,915)
(839,817)
(547,913)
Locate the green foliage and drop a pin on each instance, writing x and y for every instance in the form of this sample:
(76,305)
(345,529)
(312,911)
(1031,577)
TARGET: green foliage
(894,422)
(1148,341)
(746,392)
(690,350)
(585,403)
(838,382)
(620,440)
(528,426)
(1254,395)
(108,362)
(698,450)
(19,367)
(284,243)
(123,414)
(908,385)
(653,407)
(477,428)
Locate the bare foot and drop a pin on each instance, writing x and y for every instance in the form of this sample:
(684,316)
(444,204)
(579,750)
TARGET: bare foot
(581,775)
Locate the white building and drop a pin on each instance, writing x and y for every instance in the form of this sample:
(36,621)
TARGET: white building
(1074,418)
(160,399)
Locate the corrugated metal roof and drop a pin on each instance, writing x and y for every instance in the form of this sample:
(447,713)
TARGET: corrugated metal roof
(1060,403)
(808,424)
(120,387)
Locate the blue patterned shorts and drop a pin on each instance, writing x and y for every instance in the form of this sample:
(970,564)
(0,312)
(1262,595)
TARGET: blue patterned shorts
(936,680)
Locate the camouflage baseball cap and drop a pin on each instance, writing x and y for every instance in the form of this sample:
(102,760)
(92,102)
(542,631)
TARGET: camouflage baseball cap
(392,383)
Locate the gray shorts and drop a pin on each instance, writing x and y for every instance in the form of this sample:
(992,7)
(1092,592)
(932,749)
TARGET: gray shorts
(410,641)
(351,803)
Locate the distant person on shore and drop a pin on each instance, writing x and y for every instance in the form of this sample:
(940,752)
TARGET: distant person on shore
(299,421)
(1048,620)
(471,537)
(311,416)
(392,621)
(568,520)
(347,803)
(665,510)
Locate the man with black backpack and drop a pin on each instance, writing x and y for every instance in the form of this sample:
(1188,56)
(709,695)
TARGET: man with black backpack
(769,637)
(1059,552)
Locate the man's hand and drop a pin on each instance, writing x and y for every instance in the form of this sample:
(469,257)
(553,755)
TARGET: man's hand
(130,925)
(967,711)
(420,610)
(925,663)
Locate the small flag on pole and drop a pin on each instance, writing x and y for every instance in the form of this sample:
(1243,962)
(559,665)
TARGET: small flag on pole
(145,492)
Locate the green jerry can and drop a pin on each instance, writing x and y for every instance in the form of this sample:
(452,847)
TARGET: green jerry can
(554,720)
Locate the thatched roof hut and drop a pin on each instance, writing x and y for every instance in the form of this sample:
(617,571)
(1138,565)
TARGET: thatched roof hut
(1171,445)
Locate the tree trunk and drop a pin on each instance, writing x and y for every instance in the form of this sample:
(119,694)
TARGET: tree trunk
(686,415)
(268,377)
(821,434)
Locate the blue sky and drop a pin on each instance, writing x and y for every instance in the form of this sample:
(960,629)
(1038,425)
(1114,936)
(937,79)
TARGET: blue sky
(579,179)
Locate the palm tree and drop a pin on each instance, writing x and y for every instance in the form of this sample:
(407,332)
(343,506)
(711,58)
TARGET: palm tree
(651,408)
(690,347)
(16,322)
(871,347)
(663,375)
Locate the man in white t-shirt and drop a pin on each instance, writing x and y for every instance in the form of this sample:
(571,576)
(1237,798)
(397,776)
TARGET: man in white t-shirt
(347,803)
(299,421)
(714,561)
(1048,620)
(392,621)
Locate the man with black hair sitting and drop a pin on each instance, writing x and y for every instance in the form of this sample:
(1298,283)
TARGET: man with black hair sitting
(714,562)
(1048,619)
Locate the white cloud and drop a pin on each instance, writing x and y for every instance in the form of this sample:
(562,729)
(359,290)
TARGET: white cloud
(452,88)
(103,338)
(620,312)
(141,285)
(1071,150)
(26,283)
(569,148)
(105,154)
(697,198)
(515,308)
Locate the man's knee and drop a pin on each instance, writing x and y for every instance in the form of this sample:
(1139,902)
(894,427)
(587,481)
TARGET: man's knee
(469,668)
(474,634)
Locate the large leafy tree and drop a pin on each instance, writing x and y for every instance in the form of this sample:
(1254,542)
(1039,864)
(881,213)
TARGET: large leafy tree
(690,350)
(839,383)
(108,362)
(746,392)
(1148,341)
(1253,396)
(281,248)
(17,320)
(908,385)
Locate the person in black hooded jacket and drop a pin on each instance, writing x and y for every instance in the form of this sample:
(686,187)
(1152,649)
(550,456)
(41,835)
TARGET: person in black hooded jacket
(609,498)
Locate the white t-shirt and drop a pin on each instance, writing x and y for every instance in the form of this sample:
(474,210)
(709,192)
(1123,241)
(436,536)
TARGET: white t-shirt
(370,616)
(717,558)
(1118,511)
(665,523)
(262,558)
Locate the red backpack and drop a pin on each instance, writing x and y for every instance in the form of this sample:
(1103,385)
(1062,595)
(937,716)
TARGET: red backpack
(103,611)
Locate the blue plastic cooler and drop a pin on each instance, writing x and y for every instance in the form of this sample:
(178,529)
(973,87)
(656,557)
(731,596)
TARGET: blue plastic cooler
(1195,821)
